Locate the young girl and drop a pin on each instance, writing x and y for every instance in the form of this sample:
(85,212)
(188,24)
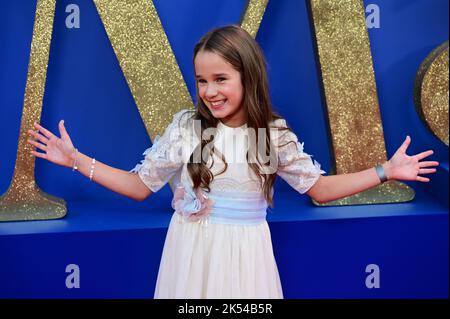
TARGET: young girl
(218,243)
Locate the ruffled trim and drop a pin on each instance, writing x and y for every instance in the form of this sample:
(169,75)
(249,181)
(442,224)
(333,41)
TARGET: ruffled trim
(191,205)
(154,149)
(300,147)
(317,166)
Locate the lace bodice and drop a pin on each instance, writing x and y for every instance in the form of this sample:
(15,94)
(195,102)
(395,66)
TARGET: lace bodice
(169,154)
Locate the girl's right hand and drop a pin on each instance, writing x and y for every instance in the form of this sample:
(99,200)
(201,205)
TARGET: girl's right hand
(57,150)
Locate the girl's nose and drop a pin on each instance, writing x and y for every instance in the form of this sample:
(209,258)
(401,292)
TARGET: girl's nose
(211,91)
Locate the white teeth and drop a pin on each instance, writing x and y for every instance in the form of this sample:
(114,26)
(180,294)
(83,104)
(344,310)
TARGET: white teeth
(217,103)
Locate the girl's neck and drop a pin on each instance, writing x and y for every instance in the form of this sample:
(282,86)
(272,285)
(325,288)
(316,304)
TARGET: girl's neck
(235,120)
(227,127)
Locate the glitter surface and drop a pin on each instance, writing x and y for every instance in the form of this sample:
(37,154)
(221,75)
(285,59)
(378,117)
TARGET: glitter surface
(351,96)
(147,61)
(431,92)
(24,200)
(253,15)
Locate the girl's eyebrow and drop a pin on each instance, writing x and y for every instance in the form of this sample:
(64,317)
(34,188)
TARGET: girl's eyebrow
(216,75)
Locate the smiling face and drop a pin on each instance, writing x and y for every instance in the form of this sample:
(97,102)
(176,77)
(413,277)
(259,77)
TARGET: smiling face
(220,88)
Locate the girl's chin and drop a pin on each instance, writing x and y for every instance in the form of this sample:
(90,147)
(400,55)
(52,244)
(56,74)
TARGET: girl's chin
(217,110)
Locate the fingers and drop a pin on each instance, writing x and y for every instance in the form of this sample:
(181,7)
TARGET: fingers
(46,132)
(405,144)
(428,164)
(38,145)
(422,155)
(37,154)
(62,129)
(427,171)
(422,179)
(38,136)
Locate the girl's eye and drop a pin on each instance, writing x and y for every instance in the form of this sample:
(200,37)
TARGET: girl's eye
(201,81)
(220,79)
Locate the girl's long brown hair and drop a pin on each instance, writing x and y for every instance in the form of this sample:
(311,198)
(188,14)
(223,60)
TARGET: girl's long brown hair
(239,49)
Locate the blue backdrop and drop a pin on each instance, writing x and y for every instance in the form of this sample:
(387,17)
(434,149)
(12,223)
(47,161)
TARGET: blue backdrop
(85,87)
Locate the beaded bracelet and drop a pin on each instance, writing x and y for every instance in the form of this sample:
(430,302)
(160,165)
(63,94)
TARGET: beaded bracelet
(75,167)
(91,174)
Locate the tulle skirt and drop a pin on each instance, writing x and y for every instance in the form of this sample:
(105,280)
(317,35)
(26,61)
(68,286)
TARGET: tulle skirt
(217,261)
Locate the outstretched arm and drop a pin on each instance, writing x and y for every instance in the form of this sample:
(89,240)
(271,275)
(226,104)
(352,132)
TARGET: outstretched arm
(400,167)
(62,152)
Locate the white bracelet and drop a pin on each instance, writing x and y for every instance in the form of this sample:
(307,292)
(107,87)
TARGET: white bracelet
(91,174)
(75,167)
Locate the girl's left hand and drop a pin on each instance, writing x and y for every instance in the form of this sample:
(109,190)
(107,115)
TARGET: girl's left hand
(404,167)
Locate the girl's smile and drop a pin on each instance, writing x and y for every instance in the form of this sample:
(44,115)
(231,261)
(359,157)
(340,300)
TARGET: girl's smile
(217,105)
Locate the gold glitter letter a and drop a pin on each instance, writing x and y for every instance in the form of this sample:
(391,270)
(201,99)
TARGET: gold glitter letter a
(24,200)
(351,96)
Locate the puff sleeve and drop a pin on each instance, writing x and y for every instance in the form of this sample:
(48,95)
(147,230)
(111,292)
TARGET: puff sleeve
(162,160)
(294,165)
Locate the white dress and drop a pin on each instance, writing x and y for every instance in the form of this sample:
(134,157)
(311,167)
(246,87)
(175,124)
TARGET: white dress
(218,244)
